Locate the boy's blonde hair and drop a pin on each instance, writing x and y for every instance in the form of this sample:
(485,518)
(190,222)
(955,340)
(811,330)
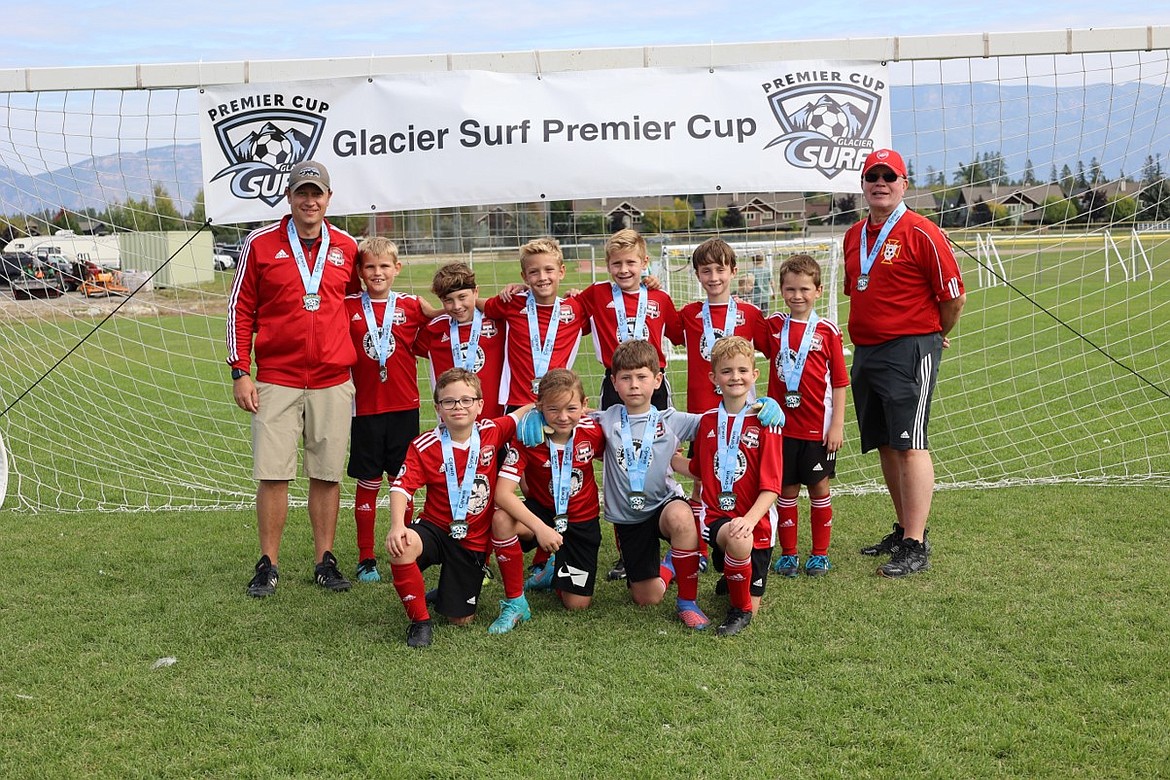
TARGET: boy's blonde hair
(801,264)
(632,355)
(452,277)
(731,347)
(377,246)
(541,246)
(558,381)
(625,239)
(713,251)
(453,375)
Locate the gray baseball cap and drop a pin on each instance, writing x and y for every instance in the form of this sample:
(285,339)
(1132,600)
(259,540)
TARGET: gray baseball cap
(308,172)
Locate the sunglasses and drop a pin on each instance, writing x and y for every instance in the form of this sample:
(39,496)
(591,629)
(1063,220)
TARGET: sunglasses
(889,177)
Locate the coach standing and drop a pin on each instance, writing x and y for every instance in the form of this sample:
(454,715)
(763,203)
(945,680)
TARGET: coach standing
(288,294)
(905,297)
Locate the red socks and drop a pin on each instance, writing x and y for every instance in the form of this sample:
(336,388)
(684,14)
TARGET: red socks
(739,582)
(686,571)
(510,559)
(822,524)
(408,581)
(365,510)
(786,530)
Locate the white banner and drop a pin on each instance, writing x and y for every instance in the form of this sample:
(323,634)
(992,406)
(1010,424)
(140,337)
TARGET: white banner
(472,137)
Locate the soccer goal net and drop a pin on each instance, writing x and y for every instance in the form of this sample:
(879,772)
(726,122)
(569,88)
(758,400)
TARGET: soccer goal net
(1041,154)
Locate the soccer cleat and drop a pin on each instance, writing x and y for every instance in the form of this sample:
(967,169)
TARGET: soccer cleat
(787,566)
(737,620)
(512,612)
(420,634)
(328,576)
(542,576)
(618,572)
(888,544)
(488,576)
(691,616)
(912,557)
(367,571)
(817,565)
(703,564)
(264,580)
(721,586)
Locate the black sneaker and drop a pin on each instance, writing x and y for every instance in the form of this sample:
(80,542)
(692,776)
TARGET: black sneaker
(420,634)
(912,557)
(264,580)
(329,576)
(618,572)
(737,620)
(888,545)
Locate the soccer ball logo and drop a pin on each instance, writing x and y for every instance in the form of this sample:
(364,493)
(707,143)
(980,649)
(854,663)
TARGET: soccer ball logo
(831,120)
(272,147)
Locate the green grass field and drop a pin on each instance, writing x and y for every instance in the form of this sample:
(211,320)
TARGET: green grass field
(1034,648)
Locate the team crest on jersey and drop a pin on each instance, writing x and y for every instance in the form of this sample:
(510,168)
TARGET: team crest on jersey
(705,347)
(890,251)
(488,329)
(566,315)
(511,456)
(826,118)
(262,136)
(401,471)
(486,455)
(481,494)
(371,349)
(750,438)
(337,257)
(740,463)
(583,451)
(816,343)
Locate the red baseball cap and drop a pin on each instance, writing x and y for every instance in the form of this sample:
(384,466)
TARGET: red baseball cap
(886,157)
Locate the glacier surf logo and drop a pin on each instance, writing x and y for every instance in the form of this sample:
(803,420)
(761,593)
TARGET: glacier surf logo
(262,144)
(826,118)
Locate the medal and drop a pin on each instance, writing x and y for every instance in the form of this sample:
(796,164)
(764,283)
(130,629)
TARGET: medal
(710,335)
(458,530)
(561,523)
(382,373)
(792,367)
(464,356)
(561,466)
(637,464)
(862,283)
(637,501)
(728,454)
(727,501)
(380,338)
(541,350)
(791,400)
(459,491)
(311,302)
(310,280)
(535,386)
(868,257)
(624,333)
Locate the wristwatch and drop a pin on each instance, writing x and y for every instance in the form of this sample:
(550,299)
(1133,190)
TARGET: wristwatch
(238,373)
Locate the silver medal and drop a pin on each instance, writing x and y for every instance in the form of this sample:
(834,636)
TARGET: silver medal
(311,302)
(727,501)
(862,282)
(561,523)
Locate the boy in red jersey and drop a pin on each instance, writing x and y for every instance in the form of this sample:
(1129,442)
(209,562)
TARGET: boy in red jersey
(809,378)
(623,309)
(562,509)
(458,462)
(544,329)
(462,336)
(383,326)
(739,463)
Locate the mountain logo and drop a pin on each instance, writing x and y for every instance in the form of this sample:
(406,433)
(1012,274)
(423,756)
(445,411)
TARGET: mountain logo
(826,125)
(260,147)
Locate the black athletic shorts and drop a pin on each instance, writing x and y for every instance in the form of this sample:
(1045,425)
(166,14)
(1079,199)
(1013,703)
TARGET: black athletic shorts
(761,558)
(639,546)
(807,462)
(378,443)
(892,387)
(577,559)
(461,572)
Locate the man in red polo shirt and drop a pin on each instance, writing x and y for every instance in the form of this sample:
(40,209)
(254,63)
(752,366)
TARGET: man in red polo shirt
(287,306)
(906,295)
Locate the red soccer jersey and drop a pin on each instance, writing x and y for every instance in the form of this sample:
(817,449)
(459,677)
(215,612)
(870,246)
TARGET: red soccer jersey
(423,467)
(434,343)
(536,464)
(824,369)
(749,323)
(759,467)
(661,317)
(914,270)
(400,390)
(519,369)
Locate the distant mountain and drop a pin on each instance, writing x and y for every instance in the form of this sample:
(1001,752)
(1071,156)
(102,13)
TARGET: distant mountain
(935,126)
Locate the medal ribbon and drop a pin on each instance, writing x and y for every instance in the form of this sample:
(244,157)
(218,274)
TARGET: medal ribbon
(312,282)
(542,352)
(728,323)
(619,309)
(459,494)
(637,467)
(728,448)
(562,475)
(867,257)
(461,359)
(380,336)
(790,368)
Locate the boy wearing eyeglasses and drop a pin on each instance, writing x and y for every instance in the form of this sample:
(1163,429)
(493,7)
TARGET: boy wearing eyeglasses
(906,295)
(458,463)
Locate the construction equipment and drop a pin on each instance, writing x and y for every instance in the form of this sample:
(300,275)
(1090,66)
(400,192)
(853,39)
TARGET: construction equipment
(100,283)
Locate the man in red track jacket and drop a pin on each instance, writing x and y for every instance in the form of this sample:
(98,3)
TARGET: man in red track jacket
(287,307)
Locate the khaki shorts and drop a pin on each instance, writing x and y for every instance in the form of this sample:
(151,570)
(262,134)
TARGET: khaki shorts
(290,415)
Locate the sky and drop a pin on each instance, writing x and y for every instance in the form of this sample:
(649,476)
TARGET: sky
(96,32)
